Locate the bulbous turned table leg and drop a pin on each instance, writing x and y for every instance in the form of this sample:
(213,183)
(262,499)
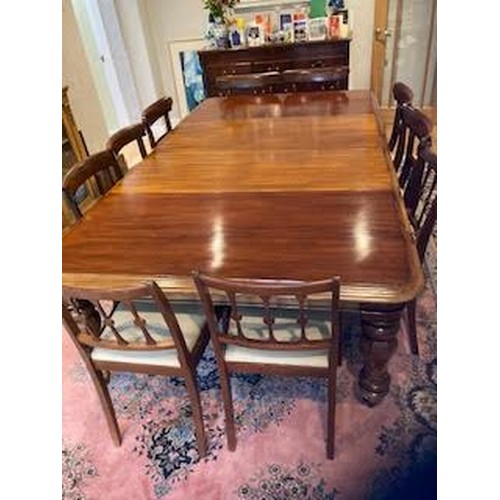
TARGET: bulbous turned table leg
(380,325)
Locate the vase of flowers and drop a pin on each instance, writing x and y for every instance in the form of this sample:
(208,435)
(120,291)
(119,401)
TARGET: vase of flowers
(220,14)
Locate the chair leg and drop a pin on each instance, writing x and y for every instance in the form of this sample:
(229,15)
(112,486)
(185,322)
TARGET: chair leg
(412,325)
(107,405)
(341,337)
(194,395)
(228,408)
(332,396)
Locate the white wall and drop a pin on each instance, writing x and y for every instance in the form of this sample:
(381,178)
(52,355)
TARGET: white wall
(362,14)
(171,20)
(137,36)
(82,93)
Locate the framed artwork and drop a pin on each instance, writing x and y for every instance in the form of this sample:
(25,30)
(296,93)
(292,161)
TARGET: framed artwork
(188,74)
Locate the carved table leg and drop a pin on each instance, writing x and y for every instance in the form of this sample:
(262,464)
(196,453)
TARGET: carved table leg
(380,324)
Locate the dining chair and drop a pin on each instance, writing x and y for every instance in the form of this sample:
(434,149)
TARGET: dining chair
(125,136)
(421,205)
(155,112)
(305,79)
(139,332)
(270,339)
(415,136)
(247,83)
(403,95)
(100,167)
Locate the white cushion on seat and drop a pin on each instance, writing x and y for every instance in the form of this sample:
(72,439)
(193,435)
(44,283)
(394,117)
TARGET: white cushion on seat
(190,322)
(237,354)
(285,329)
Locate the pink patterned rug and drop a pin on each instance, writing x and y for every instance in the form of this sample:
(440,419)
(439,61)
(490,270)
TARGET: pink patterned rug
(381,453)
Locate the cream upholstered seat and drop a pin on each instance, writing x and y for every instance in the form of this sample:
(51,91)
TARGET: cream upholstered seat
(190,322)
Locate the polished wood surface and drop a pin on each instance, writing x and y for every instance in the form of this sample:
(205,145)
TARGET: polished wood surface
(289,187)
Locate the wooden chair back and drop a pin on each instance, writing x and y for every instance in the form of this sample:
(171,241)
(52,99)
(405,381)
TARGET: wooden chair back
(86,326)
(124,137)
(403,95)
(266,292)
(421,197)
(153,113)
(247,83)
(316,78)
(415,136)
(102,167)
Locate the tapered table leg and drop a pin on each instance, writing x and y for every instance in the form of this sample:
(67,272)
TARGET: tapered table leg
(380,325)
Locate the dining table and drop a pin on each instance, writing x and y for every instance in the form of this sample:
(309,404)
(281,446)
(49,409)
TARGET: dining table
(284,187)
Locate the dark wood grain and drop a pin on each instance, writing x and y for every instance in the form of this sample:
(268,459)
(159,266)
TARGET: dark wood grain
(249,201)
(240,235)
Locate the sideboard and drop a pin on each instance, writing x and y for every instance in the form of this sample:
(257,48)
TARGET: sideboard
(281,58)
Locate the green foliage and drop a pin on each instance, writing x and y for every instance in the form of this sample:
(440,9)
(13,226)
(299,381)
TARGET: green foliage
(219,8)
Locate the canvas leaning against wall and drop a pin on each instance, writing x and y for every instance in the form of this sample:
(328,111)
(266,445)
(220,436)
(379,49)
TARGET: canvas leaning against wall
(188,74)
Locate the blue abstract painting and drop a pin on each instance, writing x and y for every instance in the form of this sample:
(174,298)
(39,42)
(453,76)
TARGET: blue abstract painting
(193,78)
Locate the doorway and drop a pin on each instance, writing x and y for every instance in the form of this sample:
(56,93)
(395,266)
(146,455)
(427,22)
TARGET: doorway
(404,49)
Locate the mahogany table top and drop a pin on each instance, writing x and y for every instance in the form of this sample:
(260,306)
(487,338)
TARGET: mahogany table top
(294,187)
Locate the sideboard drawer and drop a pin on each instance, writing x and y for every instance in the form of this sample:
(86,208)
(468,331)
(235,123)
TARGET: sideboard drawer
(274,58)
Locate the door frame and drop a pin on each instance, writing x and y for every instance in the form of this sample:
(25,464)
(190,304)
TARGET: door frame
(379,38)
(379,46)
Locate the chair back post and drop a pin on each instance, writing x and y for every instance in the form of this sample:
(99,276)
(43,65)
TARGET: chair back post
(173,325)
(403,96)
(425,231)
(335,322)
